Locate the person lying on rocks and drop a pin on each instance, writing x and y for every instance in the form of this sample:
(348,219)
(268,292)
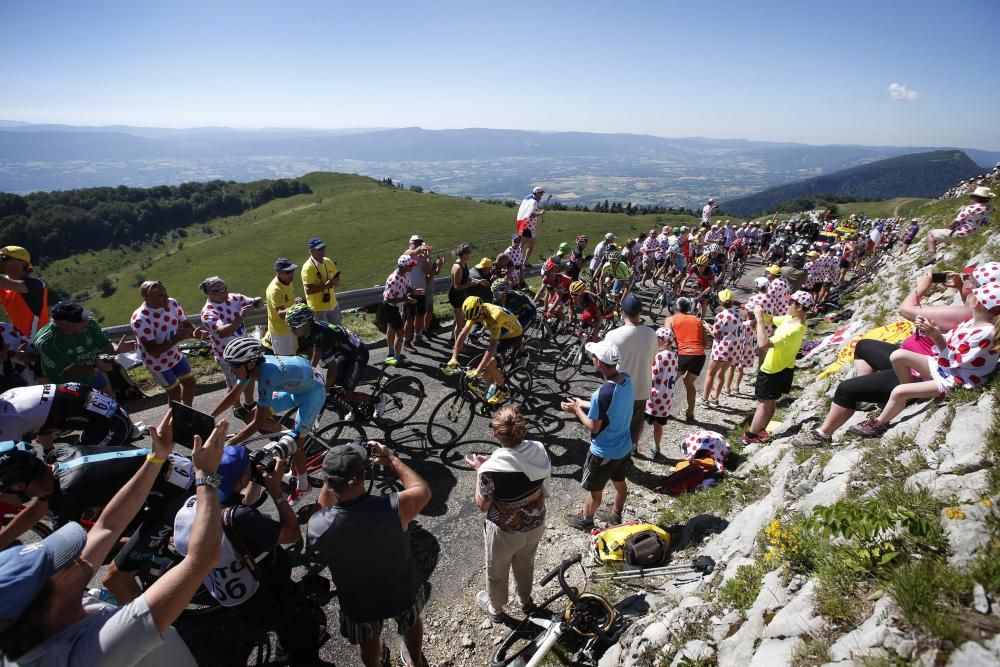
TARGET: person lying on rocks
(963,358)
(874,377)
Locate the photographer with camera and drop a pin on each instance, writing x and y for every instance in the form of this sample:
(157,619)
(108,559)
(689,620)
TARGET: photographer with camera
(364,541)
(253,575)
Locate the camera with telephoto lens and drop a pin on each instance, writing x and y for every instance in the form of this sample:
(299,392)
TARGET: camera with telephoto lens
(264,459)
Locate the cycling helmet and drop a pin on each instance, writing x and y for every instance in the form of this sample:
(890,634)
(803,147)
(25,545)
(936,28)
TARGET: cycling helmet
(298,315)
(702,260)
(610,248)
(685,228)
(243,350)
(17,465)
(577,287)
(500,285)
(714,249)
(471,307)
(614,256)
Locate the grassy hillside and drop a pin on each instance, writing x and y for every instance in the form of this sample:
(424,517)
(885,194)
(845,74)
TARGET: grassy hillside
(901,206)
(365,225)
(917,175)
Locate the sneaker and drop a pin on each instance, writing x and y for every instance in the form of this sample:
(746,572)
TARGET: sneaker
(755,438)
(869,428)
(812,438)
(529,607)
(498,397)
(483,600)
(294,496)
(392,361)
(383,399)
(408,346)
(407,659)
(609,516)
(579,520)
(654,453)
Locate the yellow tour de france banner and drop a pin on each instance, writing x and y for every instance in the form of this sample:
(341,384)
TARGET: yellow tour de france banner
(894,332)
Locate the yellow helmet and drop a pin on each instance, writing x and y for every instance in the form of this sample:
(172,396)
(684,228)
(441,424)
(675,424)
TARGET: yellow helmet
(702,260)
(472,307)
(577,286)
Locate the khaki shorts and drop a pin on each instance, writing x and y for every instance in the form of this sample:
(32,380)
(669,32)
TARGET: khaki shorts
(941,234)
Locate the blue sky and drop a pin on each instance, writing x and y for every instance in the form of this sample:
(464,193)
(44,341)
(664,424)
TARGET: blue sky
(790,71)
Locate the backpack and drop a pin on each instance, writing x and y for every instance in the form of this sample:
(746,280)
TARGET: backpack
(609,545)
(645,549)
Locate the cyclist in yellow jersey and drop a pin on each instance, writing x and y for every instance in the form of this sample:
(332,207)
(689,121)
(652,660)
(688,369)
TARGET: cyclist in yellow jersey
(505,335)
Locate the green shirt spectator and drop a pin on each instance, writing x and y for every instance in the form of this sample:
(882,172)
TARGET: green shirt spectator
(69,345)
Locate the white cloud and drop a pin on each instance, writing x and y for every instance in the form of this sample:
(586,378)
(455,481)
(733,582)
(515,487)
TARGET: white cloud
(901,93)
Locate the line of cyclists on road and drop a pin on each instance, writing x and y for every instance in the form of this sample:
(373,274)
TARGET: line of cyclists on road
(578,289)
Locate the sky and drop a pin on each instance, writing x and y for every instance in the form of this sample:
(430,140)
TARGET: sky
(875,72)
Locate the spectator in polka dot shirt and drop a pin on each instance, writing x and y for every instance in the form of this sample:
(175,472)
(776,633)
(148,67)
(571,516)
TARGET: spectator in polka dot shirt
(964,357)
(399,291)
(661,395)
(727,346)
(968,220)
(159,325)
(222,319)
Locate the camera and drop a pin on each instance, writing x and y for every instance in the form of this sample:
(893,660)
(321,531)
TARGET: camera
(263,459)
(326,297)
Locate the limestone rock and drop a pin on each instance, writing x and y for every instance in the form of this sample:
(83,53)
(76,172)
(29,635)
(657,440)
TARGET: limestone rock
(870,634)
(825,493)
(797,618)
(980,602)
(775,652)
(927,434)
(739,648)
(966,531)
(694,650)
(971,654)
(841,462)
(965,444)
(968,488)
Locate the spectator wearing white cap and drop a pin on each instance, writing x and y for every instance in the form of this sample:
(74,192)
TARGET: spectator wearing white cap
(398,292)
(969,219)
(418,314)
(527,219)
(320,278)
(608,416)
(600,250)
(706,213)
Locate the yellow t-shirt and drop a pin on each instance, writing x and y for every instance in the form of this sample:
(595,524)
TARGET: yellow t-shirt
(500,322)
(317,275)
(278,295)
(787,341)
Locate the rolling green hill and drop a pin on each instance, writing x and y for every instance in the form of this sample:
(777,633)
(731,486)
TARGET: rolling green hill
(365,225)
(916,175)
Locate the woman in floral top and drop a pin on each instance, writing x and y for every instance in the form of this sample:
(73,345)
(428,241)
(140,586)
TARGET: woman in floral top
(511,487)
(963,358)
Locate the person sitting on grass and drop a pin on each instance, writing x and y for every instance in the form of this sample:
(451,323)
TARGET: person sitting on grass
(969,219)
(963,358)
(775,376)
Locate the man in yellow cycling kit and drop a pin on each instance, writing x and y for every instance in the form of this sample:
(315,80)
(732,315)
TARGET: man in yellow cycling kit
(505,334)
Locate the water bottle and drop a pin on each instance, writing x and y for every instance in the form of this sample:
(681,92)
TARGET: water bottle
(491,392)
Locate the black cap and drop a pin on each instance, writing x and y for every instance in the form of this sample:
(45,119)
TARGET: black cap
(345,463)
(284,264)
(316,243)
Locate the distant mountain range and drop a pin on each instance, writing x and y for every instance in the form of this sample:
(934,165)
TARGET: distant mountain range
(916,175)
(577,167)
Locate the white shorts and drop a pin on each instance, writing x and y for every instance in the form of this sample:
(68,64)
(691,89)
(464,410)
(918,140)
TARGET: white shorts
(283,344)
(941,234)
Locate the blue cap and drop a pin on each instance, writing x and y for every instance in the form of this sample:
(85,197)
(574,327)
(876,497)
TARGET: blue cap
(235,461)
(284,264)
(631,304)
(316,243)
(25,569)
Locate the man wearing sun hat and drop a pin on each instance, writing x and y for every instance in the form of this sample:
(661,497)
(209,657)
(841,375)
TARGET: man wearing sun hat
(320,278)
(25,299)
(45,616)
(969,219)
(280,296)
(774,378)
(608,417)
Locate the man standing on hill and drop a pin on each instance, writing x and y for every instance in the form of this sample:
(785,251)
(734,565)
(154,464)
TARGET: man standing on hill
(159,325)
(319,278)
(25,299)
(637,346)
(280,296)
(968,220)
(527,221)
(706,213)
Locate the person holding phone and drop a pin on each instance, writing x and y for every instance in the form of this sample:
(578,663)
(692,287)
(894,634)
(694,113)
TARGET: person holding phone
(222,318)
(320,279)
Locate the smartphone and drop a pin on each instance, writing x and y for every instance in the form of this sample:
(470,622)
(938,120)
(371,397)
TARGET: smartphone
(189,422)
(938,277)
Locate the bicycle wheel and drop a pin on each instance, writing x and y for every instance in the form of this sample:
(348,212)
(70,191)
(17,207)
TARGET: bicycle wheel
(568,363)
(403,397)
(520,383)
(450,419)
(658,306)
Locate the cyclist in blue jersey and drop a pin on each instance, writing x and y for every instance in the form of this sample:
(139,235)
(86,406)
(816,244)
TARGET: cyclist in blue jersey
(282,383)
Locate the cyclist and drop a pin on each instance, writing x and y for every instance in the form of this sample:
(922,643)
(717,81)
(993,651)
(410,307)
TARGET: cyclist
(516,302)
(577,257)
(46,409)
(505,336)
(717,260)
(618,274)
(77,480)
(588,305)
(282,383)
(703,281)
(338,349)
